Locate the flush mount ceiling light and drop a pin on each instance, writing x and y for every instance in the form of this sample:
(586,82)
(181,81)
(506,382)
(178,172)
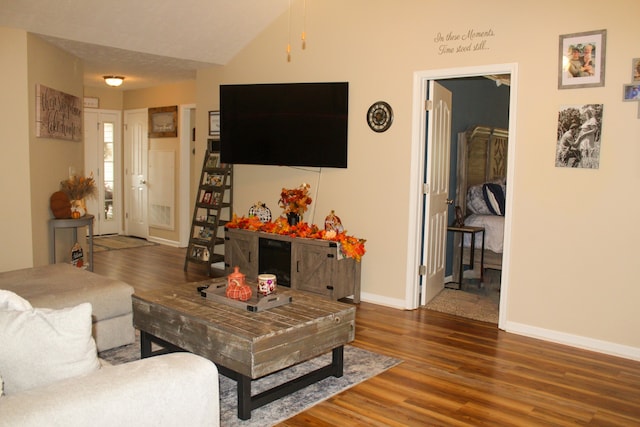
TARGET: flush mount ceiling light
(113,81)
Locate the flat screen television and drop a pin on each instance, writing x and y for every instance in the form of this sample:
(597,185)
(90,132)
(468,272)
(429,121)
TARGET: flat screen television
(285,124)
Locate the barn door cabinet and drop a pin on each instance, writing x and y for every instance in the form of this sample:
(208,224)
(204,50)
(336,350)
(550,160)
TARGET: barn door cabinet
(315,265)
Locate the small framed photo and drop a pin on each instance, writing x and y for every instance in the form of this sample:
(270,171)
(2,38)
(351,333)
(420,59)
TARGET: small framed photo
(635,70)
(581,59)
(206,197)
(631,93)
(214,123)
(213,161)
(163,122)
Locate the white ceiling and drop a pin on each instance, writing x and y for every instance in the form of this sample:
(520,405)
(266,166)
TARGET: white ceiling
(150,42)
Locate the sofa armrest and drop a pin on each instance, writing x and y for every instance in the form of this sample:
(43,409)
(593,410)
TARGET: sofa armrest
(169,390)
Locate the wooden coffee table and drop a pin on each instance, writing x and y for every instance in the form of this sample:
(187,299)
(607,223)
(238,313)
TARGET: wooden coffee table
(246,345)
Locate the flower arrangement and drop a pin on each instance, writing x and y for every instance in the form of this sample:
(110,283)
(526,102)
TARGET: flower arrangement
(350,246)
(295,200)
(78,188)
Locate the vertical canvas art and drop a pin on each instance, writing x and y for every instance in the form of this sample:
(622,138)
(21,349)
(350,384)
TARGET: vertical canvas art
(579,133)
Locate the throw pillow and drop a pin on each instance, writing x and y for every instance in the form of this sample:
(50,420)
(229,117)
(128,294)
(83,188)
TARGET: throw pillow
(12,301)
(40,346)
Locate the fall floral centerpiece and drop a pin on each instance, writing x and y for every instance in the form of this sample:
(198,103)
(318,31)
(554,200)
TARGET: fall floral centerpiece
(78,189)
(295,201)
(349,246)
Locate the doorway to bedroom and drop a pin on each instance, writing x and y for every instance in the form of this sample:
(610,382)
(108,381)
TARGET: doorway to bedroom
(480,96)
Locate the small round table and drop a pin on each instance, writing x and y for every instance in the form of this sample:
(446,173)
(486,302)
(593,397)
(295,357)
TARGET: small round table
(55,223)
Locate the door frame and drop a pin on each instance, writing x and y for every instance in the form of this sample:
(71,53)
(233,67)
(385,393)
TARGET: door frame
(184,178)
(413,295)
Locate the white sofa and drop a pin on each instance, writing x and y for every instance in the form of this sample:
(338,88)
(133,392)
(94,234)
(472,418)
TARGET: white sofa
(63,285)
(50,375)
(178,389)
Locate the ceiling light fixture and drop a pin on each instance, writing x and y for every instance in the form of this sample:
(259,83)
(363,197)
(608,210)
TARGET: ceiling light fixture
(113,81)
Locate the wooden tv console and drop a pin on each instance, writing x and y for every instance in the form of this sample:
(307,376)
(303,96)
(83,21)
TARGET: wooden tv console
(315,264)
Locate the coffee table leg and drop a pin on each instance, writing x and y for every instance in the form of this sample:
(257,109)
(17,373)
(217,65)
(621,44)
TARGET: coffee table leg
(337,361)
(145,345)
(244,397)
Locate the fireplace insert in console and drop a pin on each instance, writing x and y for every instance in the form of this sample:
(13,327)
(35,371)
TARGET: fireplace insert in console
(274,257)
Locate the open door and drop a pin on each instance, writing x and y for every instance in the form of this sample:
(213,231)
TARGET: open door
(436,190)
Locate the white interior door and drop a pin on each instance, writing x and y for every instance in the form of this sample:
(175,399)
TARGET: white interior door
(436,190)
(102,139)
(135,173)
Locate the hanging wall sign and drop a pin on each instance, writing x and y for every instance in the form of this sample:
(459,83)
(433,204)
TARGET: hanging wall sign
(58,114)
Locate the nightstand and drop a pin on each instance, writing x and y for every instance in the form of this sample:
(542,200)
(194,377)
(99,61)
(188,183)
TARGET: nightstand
(472,231)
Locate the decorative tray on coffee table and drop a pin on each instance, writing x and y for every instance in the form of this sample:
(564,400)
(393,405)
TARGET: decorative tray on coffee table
(215,290)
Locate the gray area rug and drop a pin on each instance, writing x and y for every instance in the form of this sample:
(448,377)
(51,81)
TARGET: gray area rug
(111,243)
(359,365)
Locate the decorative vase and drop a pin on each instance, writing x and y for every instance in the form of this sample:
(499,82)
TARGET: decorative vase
(293,218)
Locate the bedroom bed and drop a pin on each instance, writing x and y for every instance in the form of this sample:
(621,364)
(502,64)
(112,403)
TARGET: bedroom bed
(480,193)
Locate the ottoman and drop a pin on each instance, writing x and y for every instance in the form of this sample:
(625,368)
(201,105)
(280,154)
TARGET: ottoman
(63,285)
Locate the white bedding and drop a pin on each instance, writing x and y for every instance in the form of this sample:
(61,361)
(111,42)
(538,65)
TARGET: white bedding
(493,230)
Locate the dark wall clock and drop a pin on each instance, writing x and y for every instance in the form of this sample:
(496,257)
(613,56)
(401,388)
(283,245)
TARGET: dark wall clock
(380,116)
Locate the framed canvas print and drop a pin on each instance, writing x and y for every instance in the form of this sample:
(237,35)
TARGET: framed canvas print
(581,59)
(635,70)
(163,122)
(214,123)
(631,92)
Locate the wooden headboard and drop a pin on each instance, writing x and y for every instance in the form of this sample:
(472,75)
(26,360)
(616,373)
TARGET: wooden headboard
(482,157)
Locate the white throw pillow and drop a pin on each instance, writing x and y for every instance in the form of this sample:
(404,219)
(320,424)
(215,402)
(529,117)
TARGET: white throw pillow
(40,346)
(12,301)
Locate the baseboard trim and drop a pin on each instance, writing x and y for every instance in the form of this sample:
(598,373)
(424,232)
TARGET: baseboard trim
(578,341)
(385,301)
(165,242)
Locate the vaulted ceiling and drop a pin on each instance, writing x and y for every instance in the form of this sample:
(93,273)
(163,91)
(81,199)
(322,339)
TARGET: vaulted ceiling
(149,42)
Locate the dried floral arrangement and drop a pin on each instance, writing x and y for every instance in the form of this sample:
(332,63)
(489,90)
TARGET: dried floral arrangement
(350,246)
(78,188)
(295,200)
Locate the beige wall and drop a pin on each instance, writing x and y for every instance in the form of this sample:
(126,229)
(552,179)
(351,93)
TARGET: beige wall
(108,98)
(15,181)
(570,277)
(50,159)
(162,96)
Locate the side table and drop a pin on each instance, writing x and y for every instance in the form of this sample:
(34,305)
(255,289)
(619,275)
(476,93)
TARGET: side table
(55,223)
(472,231)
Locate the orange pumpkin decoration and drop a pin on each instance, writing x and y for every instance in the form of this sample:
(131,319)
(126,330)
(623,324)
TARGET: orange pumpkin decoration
(60,205)
(75,214)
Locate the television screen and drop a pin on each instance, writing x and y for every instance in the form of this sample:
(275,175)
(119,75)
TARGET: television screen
(286,124)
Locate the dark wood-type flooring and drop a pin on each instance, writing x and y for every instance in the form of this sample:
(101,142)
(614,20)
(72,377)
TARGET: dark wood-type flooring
(455,372)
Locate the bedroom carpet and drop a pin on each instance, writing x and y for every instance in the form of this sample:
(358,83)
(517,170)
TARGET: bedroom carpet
(471,302)
(359,365)
(112,243)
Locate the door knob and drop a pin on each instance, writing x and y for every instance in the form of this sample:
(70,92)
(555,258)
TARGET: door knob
(449,201)
(143,181)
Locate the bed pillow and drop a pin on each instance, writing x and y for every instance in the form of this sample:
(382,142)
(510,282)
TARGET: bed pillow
(494,198)
(40,346)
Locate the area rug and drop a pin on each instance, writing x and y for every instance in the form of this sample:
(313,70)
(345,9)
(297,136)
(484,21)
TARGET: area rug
(359,365)
(465,304)
(112,243)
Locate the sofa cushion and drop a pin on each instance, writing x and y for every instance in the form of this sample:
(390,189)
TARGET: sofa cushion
(63,285)
(40,346)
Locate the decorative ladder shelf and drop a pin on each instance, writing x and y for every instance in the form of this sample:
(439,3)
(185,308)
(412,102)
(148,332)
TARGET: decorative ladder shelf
(213,209)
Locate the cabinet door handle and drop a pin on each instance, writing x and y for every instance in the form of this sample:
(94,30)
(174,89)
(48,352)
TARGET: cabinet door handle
(297,266)
(330,255)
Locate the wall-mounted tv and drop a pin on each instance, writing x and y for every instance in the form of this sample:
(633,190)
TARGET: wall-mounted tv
(285,124)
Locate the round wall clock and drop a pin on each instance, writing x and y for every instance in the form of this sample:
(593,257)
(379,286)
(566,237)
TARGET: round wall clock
(380,116)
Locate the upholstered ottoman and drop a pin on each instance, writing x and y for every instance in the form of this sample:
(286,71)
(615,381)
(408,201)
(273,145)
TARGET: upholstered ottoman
(63,285)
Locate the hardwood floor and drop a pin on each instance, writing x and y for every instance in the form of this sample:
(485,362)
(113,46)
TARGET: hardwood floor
(455,371)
